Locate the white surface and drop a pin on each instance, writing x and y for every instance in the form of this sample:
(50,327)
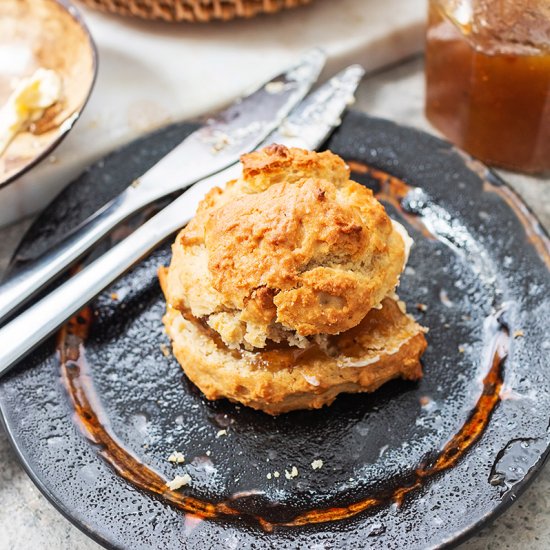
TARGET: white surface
(154,73)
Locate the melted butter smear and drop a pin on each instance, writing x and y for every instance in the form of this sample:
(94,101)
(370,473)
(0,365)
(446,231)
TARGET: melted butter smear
(28,103)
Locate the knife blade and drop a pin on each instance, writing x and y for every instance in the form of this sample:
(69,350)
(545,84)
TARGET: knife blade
(312,122)
(234,131)
(217,144)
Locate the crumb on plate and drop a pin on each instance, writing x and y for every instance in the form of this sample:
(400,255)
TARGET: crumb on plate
(178,482)
(176,458)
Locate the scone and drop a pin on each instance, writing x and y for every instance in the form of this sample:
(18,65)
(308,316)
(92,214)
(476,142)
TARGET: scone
(280,292)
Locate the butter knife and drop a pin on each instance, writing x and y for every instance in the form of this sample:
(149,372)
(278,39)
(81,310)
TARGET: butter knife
(307,126)
(214,146)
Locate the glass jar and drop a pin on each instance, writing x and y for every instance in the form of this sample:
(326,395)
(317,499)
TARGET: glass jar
(488,79)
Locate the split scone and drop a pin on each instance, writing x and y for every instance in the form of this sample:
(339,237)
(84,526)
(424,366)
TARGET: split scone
(281,291)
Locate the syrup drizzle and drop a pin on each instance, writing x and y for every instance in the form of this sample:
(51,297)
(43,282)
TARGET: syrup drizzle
(90,417)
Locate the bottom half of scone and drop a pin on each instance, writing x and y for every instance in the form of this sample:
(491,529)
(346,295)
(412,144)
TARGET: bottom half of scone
(387,344)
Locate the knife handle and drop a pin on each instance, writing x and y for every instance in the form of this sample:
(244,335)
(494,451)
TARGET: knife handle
(18,289)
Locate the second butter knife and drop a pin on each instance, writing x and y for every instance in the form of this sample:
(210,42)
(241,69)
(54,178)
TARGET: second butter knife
(307,126)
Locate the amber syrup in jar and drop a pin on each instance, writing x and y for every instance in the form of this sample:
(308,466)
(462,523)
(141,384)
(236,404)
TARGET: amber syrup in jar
(493,104)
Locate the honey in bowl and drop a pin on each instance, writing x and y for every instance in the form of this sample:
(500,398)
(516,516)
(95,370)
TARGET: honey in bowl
(488,79)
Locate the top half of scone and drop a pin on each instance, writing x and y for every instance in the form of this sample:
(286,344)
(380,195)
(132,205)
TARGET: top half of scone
(291,250)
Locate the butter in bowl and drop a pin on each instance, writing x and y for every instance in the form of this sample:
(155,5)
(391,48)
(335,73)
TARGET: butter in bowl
(48,64)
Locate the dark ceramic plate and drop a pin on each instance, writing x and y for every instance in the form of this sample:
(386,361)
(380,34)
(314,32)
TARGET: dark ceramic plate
(410,466)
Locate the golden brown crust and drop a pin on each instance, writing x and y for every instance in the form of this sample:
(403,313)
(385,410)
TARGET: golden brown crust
(292,244)
(277,163)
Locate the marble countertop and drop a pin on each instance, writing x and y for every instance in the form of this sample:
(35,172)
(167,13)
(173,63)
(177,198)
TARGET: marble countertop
(27,520)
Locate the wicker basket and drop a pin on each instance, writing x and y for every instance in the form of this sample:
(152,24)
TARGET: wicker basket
(192,10)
